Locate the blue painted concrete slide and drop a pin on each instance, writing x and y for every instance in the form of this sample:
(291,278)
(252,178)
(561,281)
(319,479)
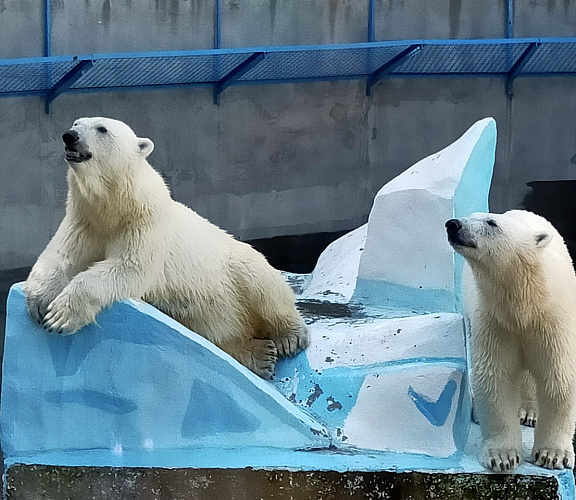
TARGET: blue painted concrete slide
(141,383)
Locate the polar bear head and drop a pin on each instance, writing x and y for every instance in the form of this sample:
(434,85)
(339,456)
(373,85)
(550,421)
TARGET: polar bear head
(103,142)
(501,239)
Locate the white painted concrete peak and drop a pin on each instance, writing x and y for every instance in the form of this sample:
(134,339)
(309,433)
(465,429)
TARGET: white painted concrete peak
(414,207)
(404,241)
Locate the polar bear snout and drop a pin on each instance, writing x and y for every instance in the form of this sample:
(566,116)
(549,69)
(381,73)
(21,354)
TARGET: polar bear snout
(458,234)
(70,138)
(453,226)
(76,152)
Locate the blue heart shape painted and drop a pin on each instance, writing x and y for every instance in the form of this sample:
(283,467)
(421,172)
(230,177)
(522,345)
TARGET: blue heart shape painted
(436,412)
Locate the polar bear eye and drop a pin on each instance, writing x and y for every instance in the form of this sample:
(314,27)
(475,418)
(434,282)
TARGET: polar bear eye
(492,223)
(102,129)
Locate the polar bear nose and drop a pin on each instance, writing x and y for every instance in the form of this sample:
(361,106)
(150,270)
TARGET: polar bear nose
(453,226)
(70,138)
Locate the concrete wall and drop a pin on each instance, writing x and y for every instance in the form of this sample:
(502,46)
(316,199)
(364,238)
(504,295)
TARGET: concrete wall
(279,159)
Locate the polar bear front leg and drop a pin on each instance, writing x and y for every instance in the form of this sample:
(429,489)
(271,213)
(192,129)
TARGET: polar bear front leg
(46,280)
(496,402)
(68,252)
(502,436)
(91,291)
(553,446)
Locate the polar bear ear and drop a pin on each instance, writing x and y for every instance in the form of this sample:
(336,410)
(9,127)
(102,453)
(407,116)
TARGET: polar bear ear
(145,146)
(542,239)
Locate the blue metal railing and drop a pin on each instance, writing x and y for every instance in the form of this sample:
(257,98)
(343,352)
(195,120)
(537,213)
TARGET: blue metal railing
(508,58)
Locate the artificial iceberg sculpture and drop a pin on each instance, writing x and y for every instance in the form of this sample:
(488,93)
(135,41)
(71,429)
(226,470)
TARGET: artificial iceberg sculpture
(386,368)
(399,260)
(383,386)
(379,376)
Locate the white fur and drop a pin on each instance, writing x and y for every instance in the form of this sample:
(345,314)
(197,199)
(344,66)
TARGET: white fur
(124,236)
(520,296)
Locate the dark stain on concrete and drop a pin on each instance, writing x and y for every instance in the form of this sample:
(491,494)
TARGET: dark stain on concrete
(332,11)
(184,176)
(333,404)
(455,13)
(273,4)
(314,396)
(329,309)
(106,12)
(174,13)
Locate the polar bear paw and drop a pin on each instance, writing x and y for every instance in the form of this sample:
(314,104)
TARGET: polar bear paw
(528,417)
(263,355)
(553,458)
(293,341)
(501,459)
(37,306)
(39,296)
(66,318)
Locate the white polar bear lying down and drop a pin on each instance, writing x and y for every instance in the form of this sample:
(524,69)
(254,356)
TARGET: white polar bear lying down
(520,297)
(124,236)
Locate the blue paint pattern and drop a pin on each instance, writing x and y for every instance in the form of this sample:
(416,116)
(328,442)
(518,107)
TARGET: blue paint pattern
(92,399)
(211,411)
(436,412)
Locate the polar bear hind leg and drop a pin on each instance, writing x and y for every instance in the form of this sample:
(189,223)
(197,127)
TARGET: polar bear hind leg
(553,446)
(269,302)
(528,412)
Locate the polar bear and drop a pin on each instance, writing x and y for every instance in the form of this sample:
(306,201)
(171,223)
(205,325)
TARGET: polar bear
(124,236)
(520,297)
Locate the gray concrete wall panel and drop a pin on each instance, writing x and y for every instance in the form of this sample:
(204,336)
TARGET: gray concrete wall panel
(131,26)
(537,18)
(414,19)
(293,22)
(21,28)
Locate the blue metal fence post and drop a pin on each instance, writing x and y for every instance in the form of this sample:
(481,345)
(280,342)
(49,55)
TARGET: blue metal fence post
(390,65)
(509,18)
(217,23)
(48,47)
(517,68)
(47,28)
(371,20)
(217,42)
(236,73)
(67,81)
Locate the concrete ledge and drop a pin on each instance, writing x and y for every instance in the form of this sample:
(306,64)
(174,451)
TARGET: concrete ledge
(79,483)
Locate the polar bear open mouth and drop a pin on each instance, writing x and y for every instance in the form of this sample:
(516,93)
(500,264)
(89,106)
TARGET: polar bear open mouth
(456,240)
(75,156)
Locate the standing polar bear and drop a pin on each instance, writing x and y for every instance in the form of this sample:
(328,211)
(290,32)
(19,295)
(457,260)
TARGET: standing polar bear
(520,297)
(124,236)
